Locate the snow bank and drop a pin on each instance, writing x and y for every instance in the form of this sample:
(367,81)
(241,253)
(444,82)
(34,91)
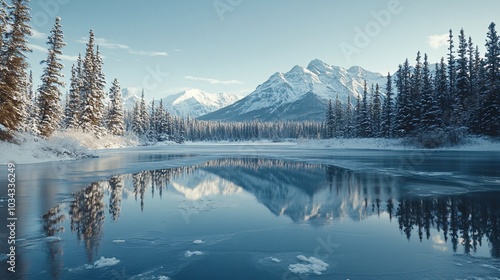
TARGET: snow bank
(189,254)
(308,265)
(31,149)
(471,144)
(104,142)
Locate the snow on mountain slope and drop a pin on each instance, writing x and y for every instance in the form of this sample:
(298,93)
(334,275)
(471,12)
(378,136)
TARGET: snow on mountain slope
(299,94)
(195,102)
(130,96)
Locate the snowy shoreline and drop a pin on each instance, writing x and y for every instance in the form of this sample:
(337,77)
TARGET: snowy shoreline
(71,146)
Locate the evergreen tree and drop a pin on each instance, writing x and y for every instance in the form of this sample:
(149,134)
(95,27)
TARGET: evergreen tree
(143,110)
(348,119)
(365,124)
(116,121)
(441,91)
(377,113)
(404,105)
(452,80)
(100,93)
(13,62)
(491,117)
(431,115)
(72,110)
(330,120)
(49,96)
(388,110)
(462,83)
(137,126)
(415,95)
(357,117)
(339,118)
(89,118)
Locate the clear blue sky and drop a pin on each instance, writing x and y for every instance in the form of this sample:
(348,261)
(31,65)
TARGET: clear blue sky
(232,46)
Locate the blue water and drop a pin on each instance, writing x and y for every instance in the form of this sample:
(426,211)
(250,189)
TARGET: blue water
(265,213)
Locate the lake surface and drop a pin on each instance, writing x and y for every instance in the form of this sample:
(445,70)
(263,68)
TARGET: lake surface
(258,212)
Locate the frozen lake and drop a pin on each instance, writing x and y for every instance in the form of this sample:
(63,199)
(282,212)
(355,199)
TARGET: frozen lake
(257,212)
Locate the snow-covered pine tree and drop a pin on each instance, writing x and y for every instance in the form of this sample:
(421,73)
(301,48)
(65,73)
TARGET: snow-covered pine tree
(441,91)
(462,89)
(72,110)
(377,113)
(100,94)
(329,121)
(365,124)
(339,118)
(403,101)
(13,62)
(452,79)
(143,110)
(491,116)
(479,90)
(357,117)
(348,119)
(88,115)
(116,120)
(387,125)
(137,121)
(32,107)
(431,116)
(415,93)
(49,93)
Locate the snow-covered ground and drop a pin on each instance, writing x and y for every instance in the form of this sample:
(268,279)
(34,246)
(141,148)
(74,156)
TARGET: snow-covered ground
(472,144)
(74,144)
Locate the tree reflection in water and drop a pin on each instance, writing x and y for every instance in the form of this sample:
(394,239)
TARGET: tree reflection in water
(295,189)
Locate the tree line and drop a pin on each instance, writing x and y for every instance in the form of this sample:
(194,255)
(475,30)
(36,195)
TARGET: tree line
(460,96)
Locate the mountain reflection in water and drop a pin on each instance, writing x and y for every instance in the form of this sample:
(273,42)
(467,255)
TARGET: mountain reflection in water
(306,193)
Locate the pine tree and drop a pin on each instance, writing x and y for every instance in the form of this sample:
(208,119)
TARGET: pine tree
(72,109)
(404,105)
(33,108)
(137,127)
(388,110)
(357,117)
(100,93)
(116,121)
(377,113)
(365,124)
(431,115)
(49,96)
(13,62)
(491,116)
(441,91)
(330,121)
(452,80)
(89,118)
(348,119)
(415,94)
(339,118)
(143,110)
(462,83)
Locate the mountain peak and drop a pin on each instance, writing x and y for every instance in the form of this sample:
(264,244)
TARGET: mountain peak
(318,66)
(196,102)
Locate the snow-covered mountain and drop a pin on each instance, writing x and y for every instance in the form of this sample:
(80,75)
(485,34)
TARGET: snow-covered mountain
(195,102)
(299,94)
(130,96)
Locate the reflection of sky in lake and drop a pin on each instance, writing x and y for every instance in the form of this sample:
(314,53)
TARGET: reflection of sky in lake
(255,218)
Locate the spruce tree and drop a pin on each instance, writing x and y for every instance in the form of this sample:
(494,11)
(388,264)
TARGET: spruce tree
(441,91)
(72,110)
(339,117)
(452,80)
(137,126)
(143,110)
(365,124)
(49,96)
(377,113)
(431,115)
(348,119)
(415,94)
(491,117)
(458,116)
(13,62)
(116,121)
(404,103)
(387,125)
(89,118)
(330,120)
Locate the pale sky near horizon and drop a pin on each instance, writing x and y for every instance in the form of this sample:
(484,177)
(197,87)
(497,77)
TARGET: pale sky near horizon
(166,46)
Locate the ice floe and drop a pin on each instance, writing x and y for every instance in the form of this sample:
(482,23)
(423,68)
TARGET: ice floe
(308,265)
